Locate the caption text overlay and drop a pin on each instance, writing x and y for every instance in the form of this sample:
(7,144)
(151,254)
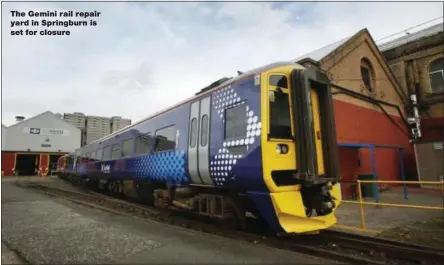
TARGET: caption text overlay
(50,23)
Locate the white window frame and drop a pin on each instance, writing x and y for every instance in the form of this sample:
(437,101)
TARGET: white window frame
(434,72)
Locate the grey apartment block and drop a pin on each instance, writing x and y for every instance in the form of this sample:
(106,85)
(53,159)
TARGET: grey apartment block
(76,119)
(95,127)
(118,123)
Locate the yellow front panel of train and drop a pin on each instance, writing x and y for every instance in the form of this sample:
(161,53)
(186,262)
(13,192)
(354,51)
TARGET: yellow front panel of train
(277,129)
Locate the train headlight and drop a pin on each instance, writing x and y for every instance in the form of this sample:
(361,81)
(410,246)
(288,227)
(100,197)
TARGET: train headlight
(281,148)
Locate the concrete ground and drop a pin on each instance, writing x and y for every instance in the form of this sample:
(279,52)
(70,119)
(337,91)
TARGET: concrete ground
(384,218)
(53,230)
(10,257)
(376,218)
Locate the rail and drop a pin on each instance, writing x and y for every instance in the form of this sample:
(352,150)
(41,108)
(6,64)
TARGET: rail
(377,203)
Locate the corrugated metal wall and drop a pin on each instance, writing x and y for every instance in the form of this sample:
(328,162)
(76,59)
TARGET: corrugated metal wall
(43,133)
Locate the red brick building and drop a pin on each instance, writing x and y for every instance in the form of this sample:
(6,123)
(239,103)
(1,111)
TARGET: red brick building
(369,108)
(417,61)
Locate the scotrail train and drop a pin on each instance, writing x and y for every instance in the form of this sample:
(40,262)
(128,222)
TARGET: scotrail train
(263,142)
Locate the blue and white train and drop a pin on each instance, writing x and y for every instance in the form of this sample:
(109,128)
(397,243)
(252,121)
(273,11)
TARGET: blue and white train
(263,142)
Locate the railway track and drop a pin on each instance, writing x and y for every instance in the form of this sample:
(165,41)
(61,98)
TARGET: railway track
(334,245)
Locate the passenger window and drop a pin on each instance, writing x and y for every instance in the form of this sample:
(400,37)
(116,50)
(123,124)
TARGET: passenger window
(100,154)
(279,81)
(127,147)
(107,153)
(235,122)
(115,153)
(193,133)
(143,144)
(165,139)
(204,131)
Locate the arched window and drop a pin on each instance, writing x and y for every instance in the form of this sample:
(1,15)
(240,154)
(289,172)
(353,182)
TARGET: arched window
(367,74)
(436,75)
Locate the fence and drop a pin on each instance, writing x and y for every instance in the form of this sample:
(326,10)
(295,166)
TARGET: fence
(363,203)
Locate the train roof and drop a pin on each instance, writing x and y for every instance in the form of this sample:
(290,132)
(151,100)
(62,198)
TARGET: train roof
(229,81)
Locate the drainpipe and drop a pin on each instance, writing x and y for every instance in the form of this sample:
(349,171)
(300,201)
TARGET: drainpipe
(415,122)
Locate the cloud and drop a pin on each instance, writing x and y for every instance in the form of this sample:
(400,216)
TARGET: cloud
(143,57)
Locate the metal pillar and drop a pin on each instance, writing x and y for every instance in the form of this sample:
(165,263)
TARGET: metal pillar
(372,161)
(401,164)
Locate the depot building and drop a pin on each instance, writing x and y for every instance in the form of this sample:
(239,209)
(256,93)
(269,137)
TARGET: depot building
(32,146)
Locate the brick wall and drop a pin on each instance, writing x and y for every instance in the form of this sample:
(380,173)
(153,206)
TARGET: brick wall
(358,121)
(410,67)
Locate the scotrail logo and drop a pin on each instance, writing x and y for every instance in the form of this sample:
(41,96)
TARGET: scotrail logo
(105,168)
(34,131)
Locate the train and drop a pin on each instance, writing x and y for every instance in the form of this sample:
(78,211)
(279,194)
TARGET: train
(258,145)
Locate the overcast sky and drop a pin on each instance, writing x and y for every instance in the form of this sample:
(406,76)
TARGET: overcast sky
(143,57)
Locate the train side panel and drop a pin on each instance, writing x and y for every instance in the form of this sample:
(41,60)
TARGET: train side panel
(226,154)
(167,164)
(236,161)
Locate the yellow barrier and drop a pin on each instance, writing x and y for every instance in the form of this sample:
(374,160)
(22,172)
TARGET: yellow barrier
(362,203)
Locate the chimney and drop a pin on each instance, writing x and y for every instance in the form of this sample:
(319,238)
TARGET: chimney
(19,118)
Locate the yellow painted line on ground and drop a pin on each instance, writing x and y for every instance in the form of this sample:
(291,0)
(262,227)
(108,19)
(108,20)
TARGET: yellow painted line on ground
(346,227)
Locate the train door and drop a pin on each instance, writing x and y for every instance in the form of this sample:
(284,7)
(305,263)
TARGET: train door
(278,149)
(198,142)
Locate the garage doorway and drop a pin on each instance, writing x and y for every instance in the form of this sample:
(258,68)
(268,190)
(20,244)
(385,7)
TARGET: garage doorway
(27,164)
(53,163)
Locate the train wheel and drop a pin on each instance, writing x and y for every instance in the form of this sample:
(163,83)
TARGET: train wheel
(234,207)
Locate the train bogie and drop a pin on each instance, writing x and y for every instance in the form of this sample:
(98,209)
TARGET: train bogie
(262,142)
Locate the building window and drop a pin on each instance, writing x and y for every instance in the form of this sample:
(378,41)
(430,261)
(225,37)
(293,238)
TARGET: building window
(143,144)
(367,74)
(235,122)
(127,147)
(436,76)
(165,139)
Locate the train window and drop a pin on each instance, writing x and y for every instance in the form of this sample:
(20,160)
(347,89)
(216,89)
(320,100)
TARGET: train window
(279,81)
(193,133)
(165,139)
(204,131)
(115,151)
(127,147)
(280,123)
(235,122)
(143,144)
(100,154)
(107,153)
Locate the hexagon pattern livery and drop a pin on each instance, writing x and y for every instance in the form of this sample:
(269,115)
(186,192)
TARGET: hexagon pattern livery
(160,166)
(222,164)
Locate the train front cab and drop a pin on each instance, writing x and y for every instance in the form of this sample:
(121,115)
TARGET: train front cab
(61,164)
(299,154)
